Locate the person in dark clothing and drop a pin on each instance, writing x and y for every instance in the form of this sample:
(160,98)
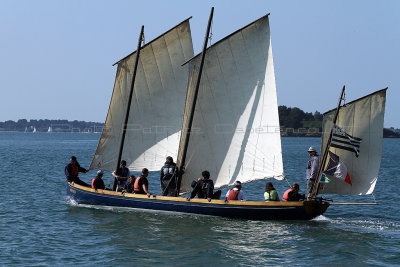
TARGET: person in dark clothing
(129,187)
(204,188)
(72,170)
(292,194)
(121,176)
(167,177)
(97,182)
(142,184)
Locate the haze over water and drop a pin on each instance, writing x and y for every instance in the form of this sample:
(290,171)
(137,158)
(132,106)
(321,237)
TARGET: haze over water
(39,226)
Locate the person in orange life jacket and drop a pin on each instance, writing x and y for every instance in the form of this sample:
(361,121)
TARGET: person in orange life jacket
(72,170)
(121,175)
(142,184)
(270,193)
(235,193)
(292,194)
(204,188)
(130,185)
(97,182)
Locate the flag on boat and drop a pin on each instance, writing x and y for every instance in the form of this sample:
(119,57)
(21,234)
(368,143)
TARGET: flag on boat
(337,169)
(324,179)
(342,140)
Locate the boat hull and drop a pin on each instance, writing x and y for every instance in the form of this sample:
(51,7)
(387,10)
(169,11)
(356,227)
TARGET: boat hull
(234,209)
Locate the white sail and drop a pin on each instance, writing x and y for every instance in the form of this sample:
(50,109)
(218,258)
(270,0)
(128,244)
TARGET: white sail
(362,118)
(235,132)
(157,106)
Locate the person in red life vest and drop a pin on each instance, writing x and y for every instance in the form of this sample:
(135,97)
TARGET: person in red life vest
(292,194)
(142,184)
(235,193)
(97,182)
(72,170)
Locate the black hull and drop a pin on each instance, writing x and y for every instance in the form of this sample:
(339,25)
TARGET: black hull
(234,209)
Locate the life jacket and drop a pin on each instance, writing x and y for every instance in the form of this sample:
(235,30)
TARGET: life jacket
(286,195)
(74,171)
(233,194)
(168,170)
(136,187)
(271,196)
(93,182)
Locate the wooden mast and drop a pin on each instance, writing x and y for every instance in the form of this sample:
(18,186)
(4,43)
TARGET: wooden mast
(121,147)
(191,114)
(316,186)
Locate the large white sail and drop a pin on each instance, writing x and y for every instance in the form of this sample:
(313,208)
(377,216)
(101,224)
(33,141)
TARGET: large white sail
(361,119)
(156,113)
(235,132)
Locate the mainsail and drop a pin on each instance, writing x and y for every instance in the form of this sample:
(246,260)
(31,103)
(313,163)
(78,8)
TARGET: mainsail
(156,113)
(357,140)
(235,132)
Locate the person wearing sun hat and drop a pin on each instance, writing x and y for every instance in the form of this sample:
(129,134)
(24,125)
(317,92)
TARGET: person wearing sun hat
(235,193)
(312,168)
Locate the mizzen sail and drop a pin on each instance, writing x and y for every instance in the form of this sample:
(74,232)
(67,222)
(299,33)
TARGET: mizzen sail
(156,113)
(357,140)
(235,131)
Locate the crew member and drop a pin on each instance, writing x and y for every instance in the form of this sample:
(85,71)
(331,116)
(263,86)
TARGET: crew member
(121,176)
(167,177)
(235,193)
(142,184)
(72,171)
(97,182)
(292,194)
(312,169)
(204,188)
(270,193)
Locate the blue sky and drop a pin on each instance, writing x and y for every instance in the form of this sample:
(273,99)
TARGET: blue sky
(56,56)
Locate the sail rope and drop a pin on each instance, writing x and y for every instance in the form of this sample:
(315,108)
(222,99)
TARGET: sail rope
(211,33)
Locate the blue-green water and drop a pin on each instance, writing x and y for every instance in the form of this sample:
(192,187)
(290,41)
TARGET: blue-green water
(38,226)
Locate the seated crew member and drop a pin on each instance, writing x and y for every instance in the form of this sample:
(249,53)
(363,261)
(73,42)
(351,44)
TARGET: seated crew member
(292,194)
(167,178)
(121,175)
(130,185)
(204,188)
(142,184)
(270,193)
(235,193)
(97,182)
(72,171)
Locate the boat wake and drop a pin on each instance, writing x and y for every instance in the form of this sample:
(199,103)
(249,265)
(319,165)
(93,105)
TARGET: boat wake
(321,218)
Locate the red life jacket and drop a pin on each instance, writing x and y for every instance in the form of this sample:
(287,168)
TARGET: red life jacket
(233,194)
(74,171)
(136,187)
(93,182)
(286,195)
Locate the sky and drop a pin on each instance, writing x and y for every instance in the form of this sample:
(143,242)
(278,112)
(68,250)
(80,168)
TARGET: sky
(56,56)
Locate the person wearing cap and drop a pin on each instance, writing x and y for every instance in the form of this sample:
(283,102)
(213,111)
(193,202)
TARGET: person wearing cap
(97,182)
(121,175)
(167,177)
(312,168)
(235,193)
(292,194)
(72,170)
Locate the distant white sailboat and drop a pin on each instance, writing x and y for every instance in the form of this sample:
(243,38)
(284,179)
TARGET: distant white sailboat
(34,130)
(50,130)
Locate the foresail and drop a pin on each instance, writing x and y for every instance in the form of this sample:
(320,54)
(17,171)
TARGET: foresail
(357,140)
(156,113)
(235,133)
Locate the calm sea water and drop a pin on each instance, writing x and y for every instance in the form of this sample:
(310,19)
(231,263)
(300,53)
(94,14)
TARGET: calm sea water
(39,226)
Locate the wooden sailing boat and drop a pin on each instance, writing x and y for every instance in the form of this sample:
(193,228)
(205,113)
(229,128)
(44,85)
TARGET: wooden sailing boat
(227,123)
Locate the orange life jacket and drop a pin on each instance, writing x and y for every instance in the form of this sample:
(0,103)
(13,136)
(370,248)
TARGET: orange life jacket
(93,182)
(136,187)
(74,171)
(286,195)
(233,194)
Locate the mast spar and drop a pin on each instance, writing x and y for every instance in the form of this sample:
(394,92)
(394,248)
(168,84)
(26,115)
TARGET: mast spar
(191,115)
(129,103)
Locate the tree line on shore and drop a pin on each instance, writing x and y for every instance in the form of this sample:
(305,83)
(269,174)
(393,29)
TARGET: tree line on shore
(293,122)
